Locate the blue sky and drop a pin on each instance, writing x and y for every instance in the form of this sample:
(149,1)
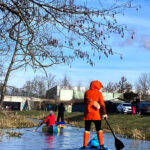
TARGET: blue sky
(136,56)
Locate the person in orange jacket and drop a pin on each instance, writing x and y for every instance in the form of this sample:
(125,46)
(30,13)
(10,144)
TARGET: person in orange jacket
(95,105)
(50,120)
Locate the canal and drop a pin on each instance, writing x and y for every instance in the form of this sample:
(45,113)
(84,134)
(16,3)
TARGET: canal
(71,138)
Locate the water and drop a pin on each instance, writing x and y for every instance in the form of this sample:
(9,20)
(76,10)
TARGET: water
(71,138)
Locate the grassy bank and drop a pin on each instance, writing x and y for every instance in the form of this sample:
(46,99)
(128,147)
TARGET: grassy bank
(11,120)
(136,127)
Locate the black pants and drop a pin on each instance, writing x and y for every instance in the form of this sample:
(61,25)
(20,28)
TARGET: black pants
(60,116)
(96,122)
(137,108)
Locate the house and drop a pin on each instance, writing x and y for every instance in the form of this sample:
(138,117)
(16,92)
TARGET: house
(19,102)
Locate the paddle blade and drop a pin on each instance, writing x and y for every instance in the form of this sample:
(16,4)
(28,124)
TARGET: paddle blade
(35,129)
(119,145)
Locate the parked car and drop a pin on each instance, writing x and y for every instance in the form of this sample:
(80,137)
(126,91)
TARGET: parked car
(124,108)
(144,107)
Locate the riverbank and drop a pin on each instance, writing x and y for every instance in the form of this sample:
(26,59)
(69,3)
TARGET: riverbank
(136,127)
(129,126)
(9,119)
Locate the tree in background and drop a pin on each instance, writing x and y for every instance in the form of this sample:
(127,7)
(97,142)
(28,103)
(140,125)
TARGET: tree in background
(40,34)
(129,96)
(50,81)
(35,87)
(124,86)
(143,84)
(66,81)
(110,87)
(28,88)
(38,85)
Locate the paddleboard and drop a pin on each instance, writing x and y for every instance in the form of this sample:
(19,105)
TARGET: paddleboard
(91,148)
(61,124)
(94,145)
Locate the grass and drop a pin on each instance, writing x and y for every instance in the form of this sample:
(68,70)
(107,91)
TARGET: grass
(10,120)
(33,114)
(136,127)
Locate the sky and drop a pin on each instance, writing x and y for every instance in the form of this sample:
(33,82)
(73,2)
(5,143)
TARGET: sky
(136,56)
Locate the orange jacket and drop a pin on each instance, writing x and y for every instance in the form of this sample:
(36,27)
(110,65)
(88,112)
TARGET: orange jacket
(91,95)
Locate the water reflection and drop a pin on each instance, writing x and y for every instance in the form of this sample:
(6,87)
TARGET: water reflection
(69,138)
(134,144)
(50,141)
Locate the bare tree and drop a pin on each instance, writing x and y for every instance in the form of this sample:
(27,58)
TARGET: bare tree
(123,85)
(15,91)
(143,84)
(36,87)
(50,81)
(41,89)
(66,81)
(110,87)
(28,88)
(42,33)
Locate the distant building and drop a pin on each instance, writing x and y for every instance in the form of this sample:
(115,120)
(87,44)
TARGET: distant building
(71,96)
(19,102)
(64,93)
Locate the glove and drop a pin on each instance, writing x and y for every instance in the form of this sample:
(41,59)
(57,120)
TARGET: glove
(105,117)
(96,105)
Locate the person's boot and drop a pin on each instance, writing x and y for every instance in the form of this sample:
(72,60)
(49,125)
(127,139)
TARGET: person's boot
(100,139)
(86,138)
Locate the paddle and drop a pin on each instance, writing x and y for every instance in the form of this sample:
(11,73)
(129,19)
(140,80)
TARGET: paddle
(118,144)
(37,127)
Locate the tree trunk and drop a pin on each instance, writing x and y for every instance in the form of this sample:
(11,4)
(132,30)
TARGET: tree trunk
(3,90)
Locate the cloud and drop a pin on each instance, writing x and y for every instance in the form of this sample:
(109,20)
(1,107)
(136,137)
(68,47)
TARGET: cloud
(145,42)
(129,41)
